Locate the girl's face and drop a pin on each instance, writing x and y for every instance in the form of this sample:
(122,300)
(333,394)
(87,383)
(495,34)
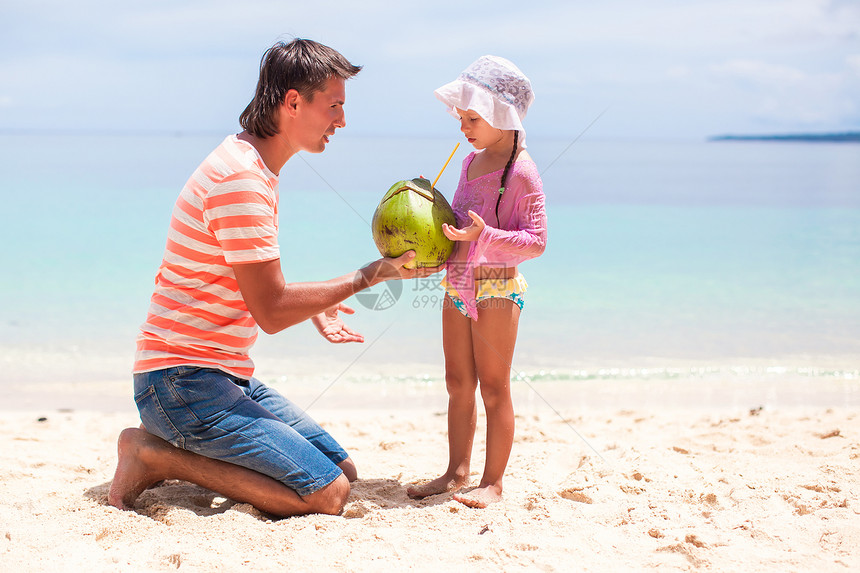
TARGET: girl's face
(477,131)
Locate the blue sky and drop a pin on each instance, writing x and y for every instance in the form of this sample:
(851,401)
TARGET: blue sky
(659,68)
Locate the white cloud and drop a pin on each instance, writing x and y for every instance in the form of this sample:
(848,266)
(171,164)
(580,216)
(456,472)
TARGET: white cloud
(760,73)
(674,63)
(853,63)
(678,72)
(774,94)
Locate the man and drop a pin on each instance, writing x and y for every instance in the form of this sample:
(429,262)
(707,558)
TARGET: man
(206,419)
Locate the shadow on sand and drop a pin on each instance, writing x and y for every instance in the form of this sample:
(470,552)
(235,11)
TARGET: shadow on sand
(156,502)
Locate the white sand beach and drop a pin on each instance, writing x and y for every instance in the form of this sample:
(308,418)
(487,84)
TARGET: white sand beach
(736,475)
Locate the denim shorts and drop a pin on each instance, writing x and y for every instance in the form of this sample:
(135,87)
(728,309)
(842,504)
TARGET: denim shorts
(214,414)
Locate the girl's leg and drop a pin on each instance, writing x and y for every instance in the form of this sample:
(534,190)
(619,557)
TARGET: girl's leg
(493,340)
(461,381)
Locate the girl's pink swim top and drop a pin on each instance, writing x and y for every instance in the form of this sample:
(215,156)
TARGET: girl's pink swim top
(518,235)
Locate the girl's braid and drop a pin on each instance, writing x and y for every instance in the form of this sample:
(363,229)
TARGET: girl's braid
(505,173)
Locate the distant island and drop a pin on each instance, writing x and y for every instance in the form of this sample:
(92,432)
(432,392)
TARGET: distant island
(846,137)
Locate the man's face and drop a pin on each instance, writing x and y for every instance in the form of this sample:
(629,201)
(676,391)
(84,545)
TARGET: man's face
(319,118)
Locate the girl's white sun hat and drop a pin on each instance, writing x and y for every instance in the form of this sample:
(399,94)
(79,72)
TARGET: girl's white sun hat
(494,88)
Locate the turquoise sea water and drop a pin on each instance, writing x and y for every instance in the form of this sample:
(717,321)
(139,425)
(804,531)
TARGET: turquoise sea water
(659,252)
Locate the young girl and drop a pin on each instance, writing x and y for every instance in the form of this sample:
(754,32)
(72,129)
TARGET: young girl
(499,204)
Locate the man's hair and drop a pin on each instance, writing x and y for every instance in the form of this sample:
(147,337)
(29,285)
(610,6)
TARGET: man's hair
(302,65)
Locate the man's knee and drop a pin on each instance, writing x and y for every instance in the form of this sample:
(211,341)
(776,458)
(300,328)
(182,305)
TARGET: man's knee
(331,498)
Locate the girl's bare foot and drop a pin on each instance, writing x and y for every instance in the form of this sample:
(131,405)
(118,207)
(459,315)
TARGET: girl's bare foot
(439,485)
(480,497)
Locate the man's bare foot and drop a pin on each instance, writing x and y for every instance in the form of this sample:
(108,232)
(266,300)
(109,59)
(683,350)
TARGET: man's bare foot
(132,474)
(480,497)
(439,485)
(348,468)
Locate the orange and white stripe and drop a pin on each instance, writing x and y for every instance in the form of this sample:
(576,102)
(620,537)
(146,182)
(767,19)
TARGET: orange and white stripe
(226,214)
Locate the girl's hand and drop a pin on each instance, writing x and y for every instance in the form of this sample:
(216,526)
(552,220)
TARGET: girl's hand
(332,327)
(470,233)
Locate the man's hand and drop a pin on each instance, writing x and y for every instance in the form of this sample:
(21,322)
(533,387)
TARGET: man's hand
(276,305)
(470,233)
(331,326)
(392,268)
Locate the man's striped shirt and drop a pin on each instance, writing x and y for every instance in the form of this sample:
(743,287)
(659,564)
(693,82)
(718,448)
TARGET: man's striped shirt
(226,214)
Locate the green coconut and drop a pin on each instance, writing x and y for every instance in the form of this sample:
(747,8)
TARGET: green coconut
(409,218)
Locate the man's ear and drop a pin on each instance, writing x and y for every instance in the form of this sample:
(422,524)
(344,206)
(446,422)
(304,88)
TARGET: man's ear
(291,102)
